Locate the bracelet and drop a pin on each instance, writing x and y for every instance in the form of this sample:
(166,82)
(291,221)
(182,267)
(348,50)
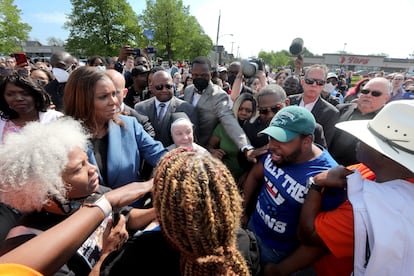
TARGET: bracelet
(102,203)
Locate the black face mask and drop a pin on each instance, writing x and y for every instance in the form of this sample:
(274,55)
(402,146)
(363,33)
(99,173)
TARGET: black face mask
(231,79)
(200,84)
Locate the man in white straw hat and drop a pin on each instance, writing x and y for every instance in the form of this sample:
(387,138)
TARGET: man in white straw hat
(373,231)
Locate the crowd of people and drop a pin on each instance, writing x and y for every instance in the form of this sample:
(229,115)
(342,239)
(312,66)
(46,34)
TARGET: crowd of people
(123,165)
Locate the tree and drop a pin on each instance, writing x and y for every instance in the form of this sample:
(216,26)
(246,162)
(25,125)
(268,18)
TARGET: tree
(282,58)
(12,31)
(178,35)
(54,41)
(275,59)
(101,27)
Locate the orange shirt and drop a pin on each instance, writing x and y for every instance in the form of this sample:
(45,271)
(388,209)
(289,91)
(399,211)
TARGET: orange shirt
(17,269)
(336,229)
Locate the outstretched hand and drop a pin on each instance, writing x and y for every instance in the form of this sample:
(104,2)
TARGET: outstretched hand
(127,194)
(253,153)
(334,177)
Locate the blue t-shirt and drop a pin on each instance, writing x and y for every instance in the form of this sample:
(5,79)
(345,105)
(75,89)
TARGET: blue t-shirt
(276,216)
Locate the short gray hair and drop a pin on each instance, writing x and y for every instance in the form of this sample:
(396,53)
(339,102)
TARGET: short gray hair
(272,89)
(33,160)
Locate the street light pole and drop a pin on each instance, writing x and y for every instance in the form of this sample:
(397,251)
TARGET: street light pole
(217,38)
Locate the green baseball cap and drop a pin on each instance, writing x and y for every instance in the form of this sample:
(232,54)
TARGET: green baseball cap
(290,122)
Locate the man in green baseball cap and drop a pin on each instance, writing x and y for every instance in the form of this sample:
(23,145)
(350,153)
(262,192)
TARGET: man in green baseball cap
(290,122)
(281,176)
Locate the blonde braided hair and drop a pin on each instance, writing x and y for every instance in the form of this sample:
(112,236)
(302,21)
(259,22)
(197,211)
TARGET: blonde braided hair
(199,208)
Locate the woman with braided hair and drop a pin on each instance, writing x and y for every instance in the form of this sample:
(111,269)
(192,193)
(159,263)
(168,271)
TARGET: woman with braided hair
(198,208)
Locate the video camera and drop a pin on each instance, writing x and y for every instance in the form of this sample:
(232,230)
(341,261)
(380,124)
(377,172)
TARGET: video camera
(251,66)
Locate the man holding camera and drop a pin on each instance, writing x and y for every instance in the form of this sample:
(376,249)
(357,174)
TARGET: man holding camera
(238,71)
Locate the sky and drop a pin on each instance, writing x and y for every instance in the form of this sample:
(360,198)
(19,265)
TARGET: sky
(361,27)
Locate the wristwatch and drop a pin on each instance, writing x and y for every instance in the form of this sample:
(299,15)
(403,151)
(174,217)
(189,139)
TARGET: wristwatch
(311,185)
(100,201)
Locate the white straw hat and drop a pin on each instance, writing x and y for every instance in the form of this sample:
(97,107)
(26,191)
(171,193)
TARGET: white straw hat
(390,132)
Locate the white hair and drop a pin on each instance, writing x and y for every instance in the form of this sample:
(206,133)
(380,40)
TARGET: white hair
(33,160)
(181,122)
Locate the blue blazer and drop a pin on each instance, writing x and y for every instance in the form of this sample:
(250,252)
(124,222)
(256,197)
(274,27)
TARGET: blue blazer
(127,146)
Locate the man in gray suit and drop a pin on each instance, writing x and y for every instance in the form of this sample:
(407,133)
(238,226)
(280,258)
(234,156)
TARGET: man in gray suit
(164,108)
(211,103)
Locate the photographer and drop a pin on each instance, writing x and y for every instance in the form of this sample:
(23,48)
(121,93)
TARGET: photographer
(247,69)
(139,56)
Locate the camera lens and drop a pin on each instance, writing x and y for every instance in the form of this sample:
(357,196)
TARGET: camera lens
(249,68)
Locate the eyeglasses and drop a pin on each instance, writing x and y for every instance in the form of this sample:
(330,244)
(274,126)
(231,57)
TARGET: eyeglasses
(312,81)
(161,86)
(264,111)
(398,79)
(373,93)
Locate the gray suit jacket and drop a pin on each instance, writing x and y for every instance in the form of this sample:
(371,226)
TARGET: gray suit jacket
(176,108)
(212,108)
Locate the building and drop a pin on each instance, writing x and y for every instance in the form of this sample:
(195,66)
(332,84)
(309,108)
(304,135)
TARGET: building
(360,62)
(36,51)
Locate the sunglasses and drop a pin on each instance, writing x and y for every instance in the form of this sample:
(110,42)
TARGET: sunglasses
(312,81)
(161,87)
(264,111)
(373,93)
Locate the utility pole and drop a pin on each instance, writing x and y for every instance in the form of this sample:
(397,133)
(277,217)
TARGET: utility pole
(217,38)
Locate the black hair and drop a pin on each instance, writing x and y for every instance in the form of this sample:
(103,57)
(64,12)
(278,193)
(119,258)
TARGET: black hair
(202,60)
(40,96)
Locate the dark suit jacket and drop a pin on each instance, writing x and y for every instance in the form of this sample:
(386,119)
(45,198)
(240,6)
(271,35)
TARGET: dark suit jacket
(343,145)
(55,90)
(325,114)
(213,108)
(163,130)
(142,119)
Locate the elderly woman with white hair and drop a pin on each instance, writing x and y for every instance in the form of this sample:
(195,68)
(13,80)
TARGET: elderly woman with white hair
(47,176)
(183,135)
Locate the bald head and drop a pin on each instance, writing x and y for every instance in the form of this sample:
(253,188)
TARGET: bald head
(119,82)
(117,78)
(61,59)
(161,75)
(376,94)
(163,81)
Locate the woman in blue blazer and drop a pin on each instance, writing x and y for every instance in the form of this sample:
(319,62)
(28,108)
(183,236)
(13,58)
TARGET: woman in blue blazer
(119,143)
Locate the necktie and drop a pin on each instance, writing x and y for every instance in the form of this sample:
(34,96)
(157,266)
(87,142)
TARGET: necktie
(161,108)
